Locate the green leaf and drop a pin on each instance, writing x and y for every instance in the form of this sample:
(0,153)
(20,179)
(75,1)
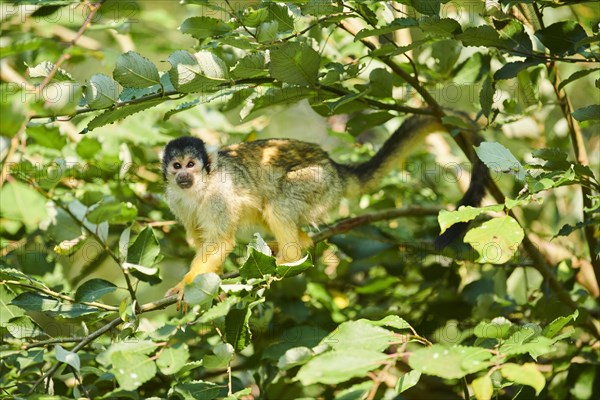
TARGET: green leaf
(498,328)
(526,374)
(131,347)
(280,96)
(136,71)
(8,310)
(496,240)
(295,268)
(260,263)
(47,136)
(511,69)
(486,96)
(203,289)
(204,27)
(173,358)
(427,7)
(237,331)
(30,301)
(199,390)
(558,324)
(281,14)
(361,122)
(589,113)
(43,69)
(94,289)
(267,32)
(483,388)
(498,158)
(577,75)
(101,91)
(112,115)
(359,334)
(251,66)
(223,353)
(445,27)
(132,369)
(219,310)
(198,72)
(294,357)
(398,23)
(339,366)
(484,36)
(295,63)
(12,109)
(450,362)
(67,357)
(88,148)
(393,321)
(114,213)
(562,37)
(406,381)
(464,214)
(23,204)
(144,249)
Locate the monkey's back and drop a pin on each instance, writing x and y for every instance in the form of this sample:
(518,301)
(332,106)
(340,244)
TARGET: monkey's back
(293,177)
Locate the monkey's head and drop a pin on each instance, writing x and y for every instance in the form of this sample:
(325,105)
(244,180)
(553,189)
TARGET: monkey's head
(184,159)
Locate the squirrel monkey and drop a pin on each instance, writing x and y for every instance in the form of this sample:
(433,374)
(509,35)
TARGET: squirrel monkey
(281,184)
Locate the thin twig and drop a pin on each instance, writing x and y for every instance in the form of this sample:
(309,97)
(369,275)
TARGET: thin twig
(61,296)
(65,56)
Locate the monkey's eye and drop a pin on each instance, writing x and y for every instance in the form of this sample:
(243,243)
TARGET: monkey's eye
(190,164)
(177,165)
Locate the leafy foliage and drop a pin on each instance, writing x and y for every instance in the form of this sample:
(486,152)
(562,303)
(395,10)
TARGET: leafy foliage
(89,247)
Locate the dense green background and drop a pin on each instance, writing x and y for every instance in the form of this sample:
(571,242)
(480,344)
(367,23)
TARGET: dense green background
(90,93)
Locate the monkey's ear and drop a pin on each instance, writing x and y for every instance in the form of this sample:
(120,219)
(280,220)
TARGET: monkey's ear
(211,159)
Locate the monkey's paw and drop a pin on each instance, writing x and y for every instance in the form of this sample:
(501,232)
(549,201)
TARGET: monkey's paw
(178,290)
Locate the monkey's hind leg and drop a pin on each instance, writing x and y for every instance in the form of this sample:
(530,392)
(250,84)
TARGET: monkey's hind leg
(210,257)
(291,240)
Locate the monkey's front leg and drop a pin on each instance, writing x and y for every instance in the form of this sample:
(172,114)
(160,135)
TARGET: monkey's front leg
(210,257)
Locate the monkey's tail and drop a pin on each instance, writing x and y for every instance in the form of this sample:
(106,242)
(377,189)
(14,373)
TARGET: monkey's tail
(364,177)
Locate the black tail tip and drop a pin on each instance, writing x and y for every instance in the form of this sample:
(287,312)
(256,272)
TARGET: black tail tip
(451,234)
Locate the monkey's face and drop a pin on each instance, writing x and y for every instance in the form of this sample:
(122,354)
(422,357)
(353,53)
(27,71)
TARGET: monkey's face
(184,160)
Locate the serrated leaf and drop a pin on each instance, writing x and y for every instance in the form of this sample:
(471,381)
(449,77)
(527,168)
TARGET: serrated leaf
(511,69)
(134,70)
(484,36)
(251,66)
(173,358)
(339,366)
(288,270)
(496,240)
(198,72)
(180,108)
(30,301)
(398,23)
(427,7)
(526,374)
(222,354)
(204,27)
(203,289)
(562,37)
(464,214)
(219,310)
(258,265)
(131,347)
(132,369)
(144,249)
(267,32)
(576,75)
(113,212)
(200,390)
(295,63)
(110,116)
(294,357)
(237,331)
(101,91)
(281,14)
(449,362)
(359,334)
(94,289)
(498,328)
(483,388)
(558,324)
(407,381)
(498,158)
(393,321)
(486,96)
(445,27)
(67,357)
(43,69)
(589,113)
(8,310)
